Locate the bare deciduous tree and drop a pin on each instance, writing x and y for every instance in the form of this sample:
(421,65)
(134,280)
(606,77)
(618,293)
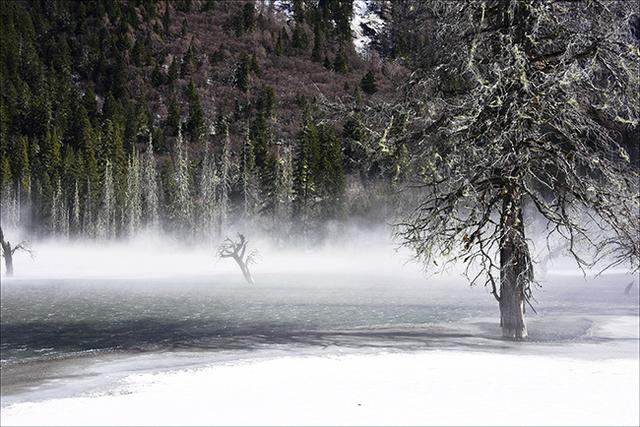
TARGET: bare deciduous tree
(520,112)
(238,251)
(8,251)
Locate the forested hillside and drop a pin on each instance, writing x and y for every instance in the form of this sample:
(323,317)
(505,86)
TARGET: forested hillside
(201,116)
(196,116)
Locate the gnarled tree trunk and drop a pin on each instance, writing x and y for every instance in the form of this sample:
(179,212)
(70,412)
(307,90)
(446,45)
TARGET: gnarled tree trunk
(7,252)
(515,270)
(8,258)
(245,270)
(237,250)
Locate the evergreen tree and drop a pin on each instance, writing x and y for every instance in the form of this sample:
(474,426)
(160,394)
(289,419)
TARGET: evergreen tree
(22,166)
(150,191)
(249,180)
(174,117)
(196,125)
(183,202)
(268,188)
(92,177)
(368,83)
(209,183)
(333,180)
(306,156)
(7,201)
(113,152)
(90,103)
(284,191)
(166,19)
(217,57)
(157,76)
(6,178)
(261,137)
(341,62)
(225,181)
(316,53)
(299,39)
(74,222)
(326,63)
(253,66)
(242,73)
(248,16)
(106,228)
(174,70)
(133,195)
(188,62)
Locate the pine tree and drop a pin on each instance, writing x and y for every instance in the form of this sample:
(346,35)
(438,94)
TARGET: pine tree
(333,180)
(59,211)
(249,16)
(22,166)
(174,117)
(261,138)
(303,177)
(196,124)
(188,62)
(368,83)
(166,19)
(316,53)
(284,191)
(242,73)
(113,151)
(107,215)
(209,183)
(7,200)
(90,103)
(268,188)
(75,209)
(225,182)
(217,57)
(150,191)
(341,62)
(157,76)
(280,42)
(6,178)
(249,180)
(174,70)
(133,195)
(183,202)
(299,39)
(253,65)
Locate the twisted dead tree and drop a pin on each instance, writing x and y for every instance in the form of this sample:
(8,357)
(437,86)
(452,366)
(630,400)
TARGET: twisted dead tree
(520,114)
(237,249)
(8,251)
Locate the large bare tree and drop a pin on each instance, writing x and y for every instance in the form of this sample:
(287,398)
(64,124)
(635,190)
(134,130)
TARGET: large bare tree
(521,113)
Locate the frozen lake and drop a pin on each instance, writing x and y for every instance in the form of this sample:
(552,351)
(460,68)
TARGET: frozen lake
(69,336)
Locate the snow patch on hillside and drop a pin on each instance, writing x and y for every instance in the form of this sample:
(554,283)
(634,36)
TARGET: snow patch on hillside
(366,25)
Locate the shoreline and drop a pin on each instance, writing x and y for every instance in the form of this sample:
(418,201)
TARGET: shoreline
(36,379)
(389,387)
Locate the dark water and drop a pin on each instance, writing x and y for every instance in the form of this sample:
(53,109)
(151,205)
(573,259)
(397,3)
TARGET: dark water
(60,318)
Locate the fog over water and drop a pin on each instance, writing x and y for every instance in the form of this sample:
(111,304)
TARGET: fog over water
(153,295)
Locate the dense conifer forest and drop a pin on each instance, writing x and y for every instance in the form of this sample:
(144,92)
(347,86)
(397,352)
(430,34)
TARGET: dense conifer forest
(192,116)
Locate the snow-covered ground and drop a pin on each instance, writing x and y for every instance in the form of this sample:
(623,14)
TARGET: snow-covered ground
(421,388)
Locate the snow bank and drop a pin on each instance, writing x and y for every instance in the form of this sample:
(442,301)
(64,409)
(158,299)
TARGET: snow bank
(439,387)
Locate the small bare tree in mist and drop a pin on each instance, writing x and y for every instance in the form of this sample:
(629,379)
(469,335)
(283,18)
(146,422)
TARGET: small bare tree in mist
(237,249)
(8,251)
(520,110)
